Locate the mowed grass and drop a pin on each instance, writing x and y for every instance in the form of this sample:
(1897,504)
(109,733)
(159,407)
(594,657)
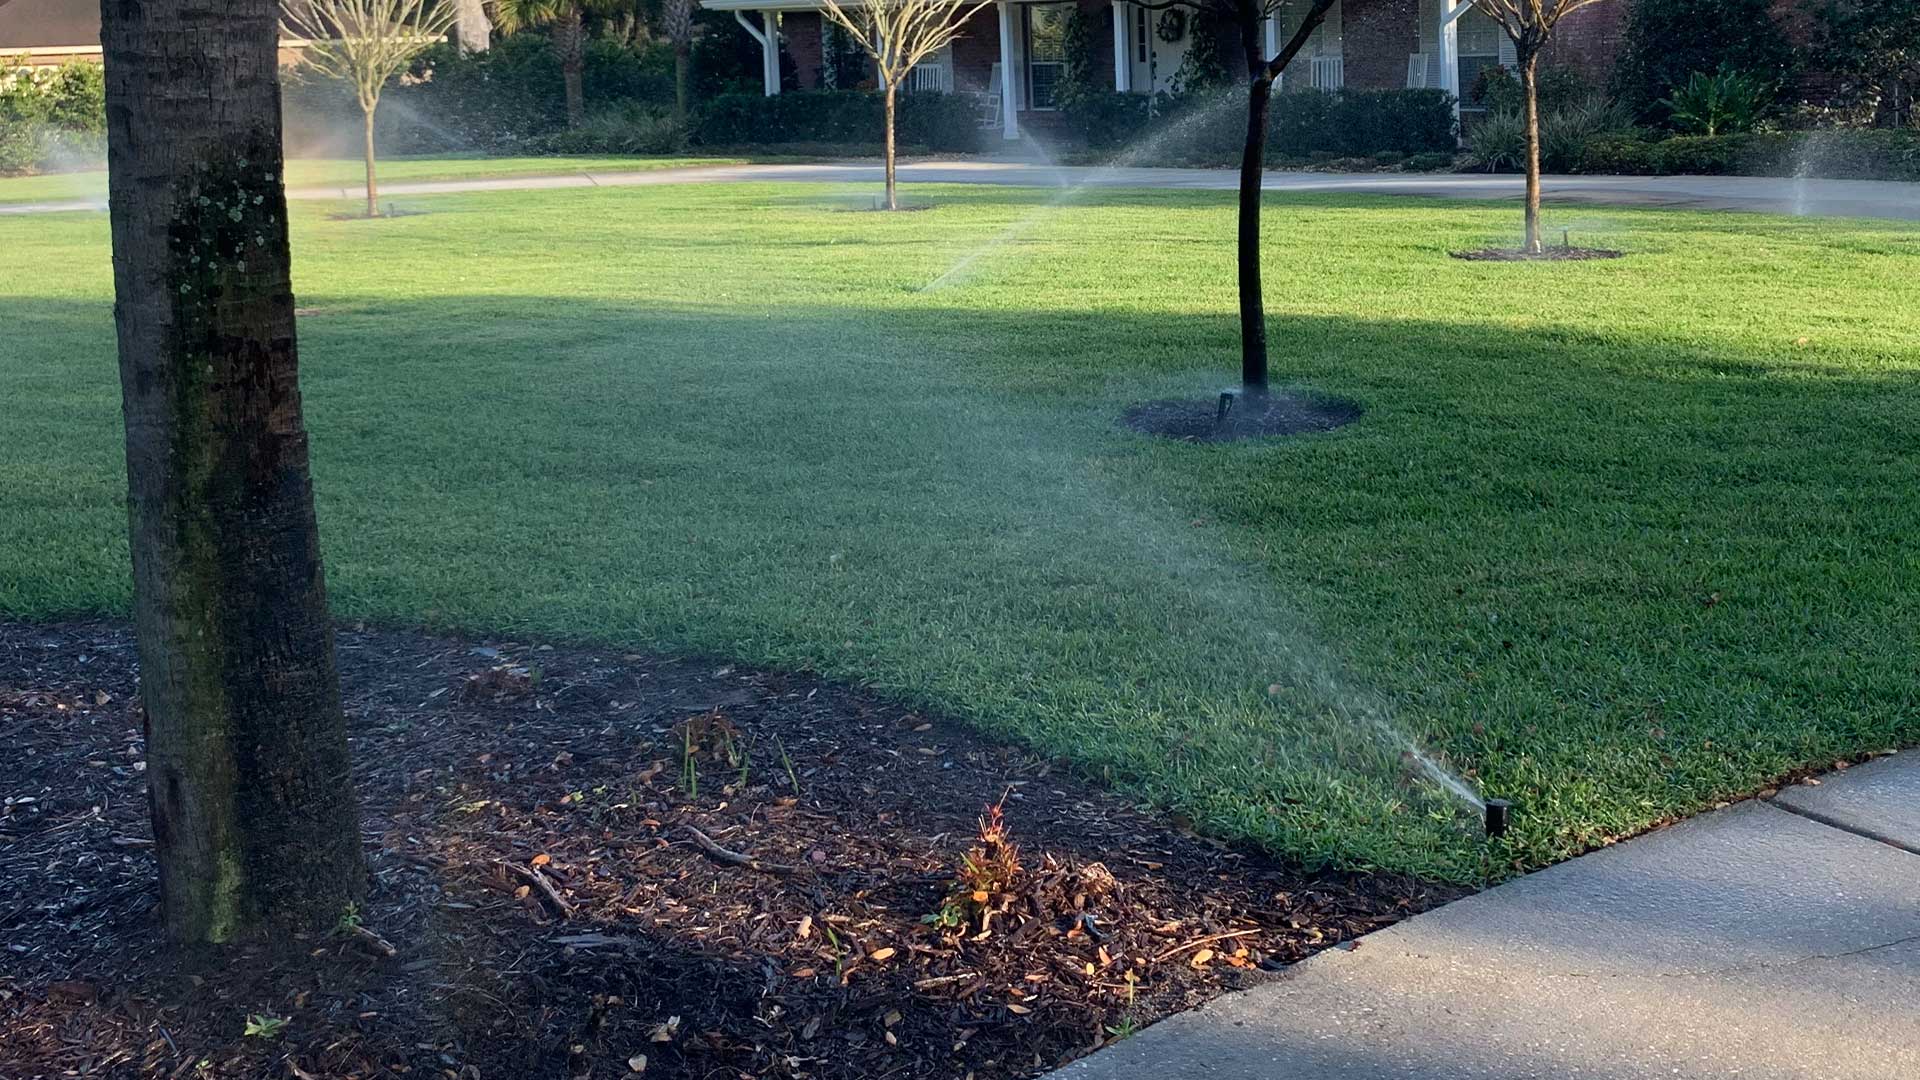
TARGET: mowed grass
(322,172)
(1615,540)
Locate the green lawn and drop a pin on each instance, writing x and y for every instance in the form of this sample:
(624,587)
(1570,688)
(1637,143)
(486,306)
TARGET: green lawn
(317,172)
(1616,539)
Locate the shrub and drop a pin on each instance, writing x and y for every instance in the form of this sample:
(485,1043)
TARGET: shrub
(1616,154)
(1431,162)
(1566,131)
(624,129)
(1725,102)
(1210,128)
(1107,120)
(1668,40)
(1499,90)
(1500,142)
(941,122)
(51,119)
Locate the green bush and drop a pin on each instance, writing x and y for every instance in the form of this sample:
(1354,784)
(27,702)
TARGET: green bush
(1499,90)
(1210,128)
(52,119)
(1724,102)
(1566,131)
(1430,162)
(1499,142)
(1618,155)
(1668,40)
(940,122)
(623,129)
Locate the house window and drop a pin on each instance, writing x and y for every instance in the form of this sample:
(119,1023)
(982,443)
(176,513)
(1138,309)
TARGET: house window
(1046,53)
(1479,50)
(1141,42)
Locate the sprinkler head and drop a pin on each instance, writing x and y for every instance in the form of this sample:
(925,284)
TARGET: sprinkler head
(1227,398)
(1498,811)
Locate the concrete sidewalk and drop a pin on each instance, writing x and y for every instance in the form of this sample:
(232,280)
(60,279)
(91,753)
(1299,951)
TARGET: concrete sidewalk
(1846,198)
(1770,940)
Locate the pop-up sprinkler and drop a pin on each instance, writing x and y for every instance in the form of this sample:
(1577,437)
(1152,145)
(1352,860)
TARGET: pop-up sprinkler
(1498,812)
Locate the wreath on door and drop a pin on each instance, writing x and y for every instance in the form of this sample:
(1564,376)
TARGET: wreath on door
(1172,25)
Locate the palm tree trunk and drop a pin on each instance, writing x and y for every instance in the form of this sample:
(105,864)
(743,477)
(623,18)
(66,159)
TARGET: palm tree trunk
(373,187)
(570,38)
(1530,83)
(254,819)
(893,202)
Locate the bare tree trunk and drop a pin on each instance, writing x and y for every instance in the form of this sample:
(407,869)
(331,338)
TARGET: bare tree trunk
(373,187)
(1530,84)
(472,30)
(570,40)
(893,203)
(1253,163)
(254,819)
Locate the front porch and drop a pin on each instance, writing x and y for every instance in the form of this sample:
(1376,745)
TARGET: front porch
(1012,55)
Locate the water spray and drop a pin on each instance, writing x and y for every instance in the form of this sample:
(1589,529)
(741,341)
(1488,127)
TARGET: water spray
(1498,813)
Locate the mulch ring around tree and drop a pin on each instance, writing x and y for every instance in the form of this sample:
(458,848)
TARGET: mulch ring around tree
(1547,254)
(1204,421)
(590,863)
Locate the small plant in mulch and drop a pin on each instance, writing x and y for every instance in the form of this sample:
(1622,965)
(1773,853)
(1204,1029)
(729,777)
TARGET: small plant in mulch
(582,874)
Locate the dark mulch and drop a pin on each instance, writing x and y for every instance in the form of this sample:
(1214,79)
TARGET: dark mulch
(1549,254)
(493,773)
(1283,413)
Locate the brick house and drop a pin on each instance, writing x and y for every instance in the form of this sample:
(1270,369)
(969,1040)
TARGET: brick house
(48,33)
(1012,53)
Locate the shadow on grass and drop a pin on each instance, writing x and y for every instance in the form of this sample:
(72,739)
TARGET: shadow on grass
(1518,558)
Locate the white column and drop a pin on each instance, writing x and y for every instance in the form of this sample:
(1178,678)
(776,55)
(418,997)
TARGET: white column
(1122,51)
(770,50)
(1450,52)
(1009,108)
(1273,44)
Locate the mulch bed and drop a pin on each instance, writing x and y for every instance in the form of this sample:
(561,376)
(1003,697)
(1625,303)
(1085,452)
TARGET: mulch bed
(1548,254)
(590,863)
(1200,421)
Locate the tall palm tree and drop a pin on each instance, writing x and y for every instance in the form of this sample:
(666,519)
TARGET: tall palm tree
(566,23)
(255,827)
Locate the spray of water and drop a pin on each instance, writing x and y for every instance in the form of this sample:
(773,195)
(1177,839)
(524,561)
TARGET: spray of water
(1146,147)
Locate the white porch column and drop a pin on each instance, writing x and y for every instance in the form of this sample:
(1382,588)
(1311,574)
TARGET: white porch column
(1122,53)
(1273,44)
(1009,108)
(771,50)
(1450,50)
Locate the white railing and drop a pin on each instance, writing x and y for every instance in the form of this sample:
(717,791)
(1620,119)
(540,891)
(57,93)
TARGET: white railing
(1329,72)
(934,78)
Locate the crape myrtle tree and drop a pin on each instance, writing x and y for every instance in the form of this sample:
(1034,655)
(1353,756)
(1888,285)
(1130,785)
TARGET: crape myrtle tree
(365,43)
(255,826)
(566,23)
(898,34)
(1247,18)
(1530,24)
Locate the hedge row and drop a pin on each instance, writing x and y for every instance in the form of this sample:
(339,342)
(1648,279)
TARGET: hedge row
(1209,128)
(1873,154)
(941,122)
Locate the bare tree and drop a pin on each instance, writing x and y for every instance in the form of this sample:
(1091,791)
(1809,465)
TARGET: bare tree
(1247,18)
(677,17)
(254,820)
(365,43)
(899,34)
(1530,24)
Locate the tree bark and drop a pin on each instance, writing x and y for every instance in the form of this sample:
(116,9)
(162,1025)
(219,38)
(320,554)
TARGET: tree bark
(1530,86)
(254,819)
(893,202)
(472,30)
(373,187)
(1253,163)
(570,39)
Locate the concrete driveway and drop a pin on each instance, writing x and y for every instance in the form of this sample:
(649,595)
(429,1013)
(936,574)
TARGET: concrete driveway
(1773,940)
(1847,198)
